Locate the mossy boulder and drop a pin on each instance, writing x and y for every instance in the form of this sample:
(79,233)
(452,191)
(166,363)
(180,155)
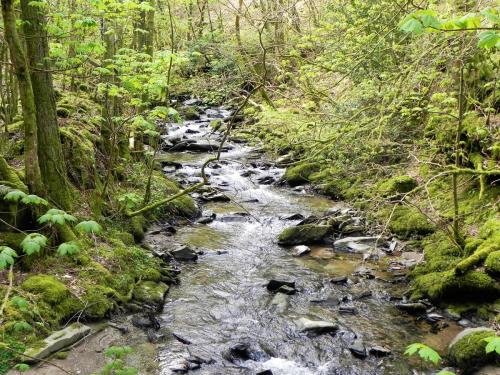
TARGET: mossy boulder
(150,293)
(467,349)
(54,300)
(99,301)
(439,286)
(397,185)
(137,226)
(408,222)
(299,174)
(63,112)
(303,234)
(492,263)
(126,237)
(191,113)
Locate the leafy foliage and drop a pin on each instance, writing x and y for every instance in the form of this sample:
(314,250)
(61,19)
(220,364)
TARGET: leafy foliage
(22,367)
(7,256)
(424,352)
(493,344)
(55,216)
(14,196)
(68,248)
(20,303)
(33,243)
(89,226)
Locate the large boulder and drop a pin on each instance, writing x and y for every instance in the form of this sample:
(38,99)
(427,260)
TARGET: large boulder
(303,234)
(150,293)
(57,341)
(467,349)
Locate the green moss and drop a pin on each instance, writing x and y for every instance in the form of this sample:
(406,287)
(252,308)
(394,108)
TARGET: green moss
(408,221)
(492,263)
(299,174)
(126,237)
(448,286)
(440,254)
(11,239)
(150,293)
(137,227)
(468,352)
(54,299)
(98,301)
(303,234)
(191,113)
(63,112)
(398,184)
(62,355)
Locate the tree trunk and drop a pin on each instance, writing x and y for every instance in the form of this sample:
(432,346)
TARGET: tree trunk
(18,58)
(50,155)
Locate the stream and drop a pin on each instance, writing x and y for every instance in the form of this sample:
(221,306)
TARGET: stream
(225,320)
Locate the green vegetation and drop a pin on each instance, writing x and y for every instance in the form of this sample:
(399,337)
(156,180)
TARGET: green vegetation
(390,105)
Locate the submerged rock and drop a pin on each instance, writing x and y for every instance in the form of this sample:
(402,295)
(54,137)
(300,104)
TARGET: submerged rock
(412,307)
(316,326)
(57,341)
(303,234)
(274,285)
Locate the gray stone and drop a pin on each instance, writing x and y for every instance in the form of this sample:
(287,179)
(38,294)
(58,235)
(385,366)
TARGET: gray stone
(58,340)
(358,349)
(412,307)
(150,293)
(380,351)
(317,326)
(301,250)
(184,253)
(357,245)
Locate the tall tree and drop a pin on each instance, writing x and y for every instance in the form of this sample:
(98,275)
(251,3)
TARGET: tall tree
(20,63)
(50,153)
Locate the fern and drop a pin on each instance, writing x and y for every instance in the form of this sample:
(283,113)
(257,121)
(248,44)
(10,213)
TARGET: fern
(89,226)
(34,200)
(22,326)
(33,243)
(7,256)
(55,216)
(22,367)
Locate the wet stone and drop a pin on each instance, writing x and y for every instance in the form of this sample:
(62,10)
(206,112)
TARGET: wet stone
(316,326)
(274,285)
(184,253)
(358,349)
(380,351)
(301,250)
(285,289)
(412,307)
(339,280)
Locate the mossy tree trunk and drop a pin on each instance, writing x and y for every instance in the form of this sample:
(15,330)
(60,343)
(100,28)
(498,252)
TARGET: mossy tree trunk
(20,63)
(50,155)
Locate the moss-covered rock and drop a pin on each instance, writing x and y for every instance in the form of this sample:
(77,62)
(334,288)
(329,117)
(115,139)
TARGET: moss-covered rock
(299,174)
(137,227)
(467,350)
(63,112)
(492,263)
(150,293)
(303,234)
(54,300)
(126,237)
(407,222)
(99,301)
(398,184)
(446,286)
(191,113)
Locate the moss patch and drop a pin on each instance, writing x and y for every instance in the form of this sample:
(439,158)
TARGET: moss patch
(492,263)
(398,184)
(407,222)
(467,351)
(299,174)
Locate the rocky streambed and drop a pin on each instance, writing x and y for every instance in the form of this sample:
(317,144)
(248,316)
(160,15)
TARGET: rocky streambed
(278,280)
(275,280)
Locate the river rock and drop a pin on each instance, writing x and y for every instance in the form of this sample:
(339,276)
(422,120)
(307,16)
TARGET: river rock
(412,307)
(215,197)
(358,349)
(301,250)
(316,326)
(285,289)
(488,370)
(243,352)
(467,349)
(294,217)
(150,293)
(339,280)
(281,302)
(380,351)
(265,372)
(357,245)
(184,253)
(274,285)
(57,341)
(303,234)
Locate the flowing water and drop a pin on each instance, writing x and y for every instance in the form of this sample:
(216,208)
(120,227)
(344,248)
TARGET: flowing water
(222,300)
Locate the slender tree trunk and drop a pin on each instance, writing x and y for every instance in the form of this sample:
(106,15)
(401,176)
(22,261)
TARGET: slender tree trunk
(237,24)
(50,155)
(18,58)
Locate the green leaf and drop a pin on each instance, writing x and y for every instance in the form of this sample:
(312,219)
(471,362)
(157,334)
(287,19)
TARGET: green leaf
(117,351)
(89,226)
(412,26)
(7,256)
(34,200)
(424,352)
(488,39)
(55,216)
(68,248)
(22,367)
(493,344)
(445,372)
(33,243)
(14,196)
